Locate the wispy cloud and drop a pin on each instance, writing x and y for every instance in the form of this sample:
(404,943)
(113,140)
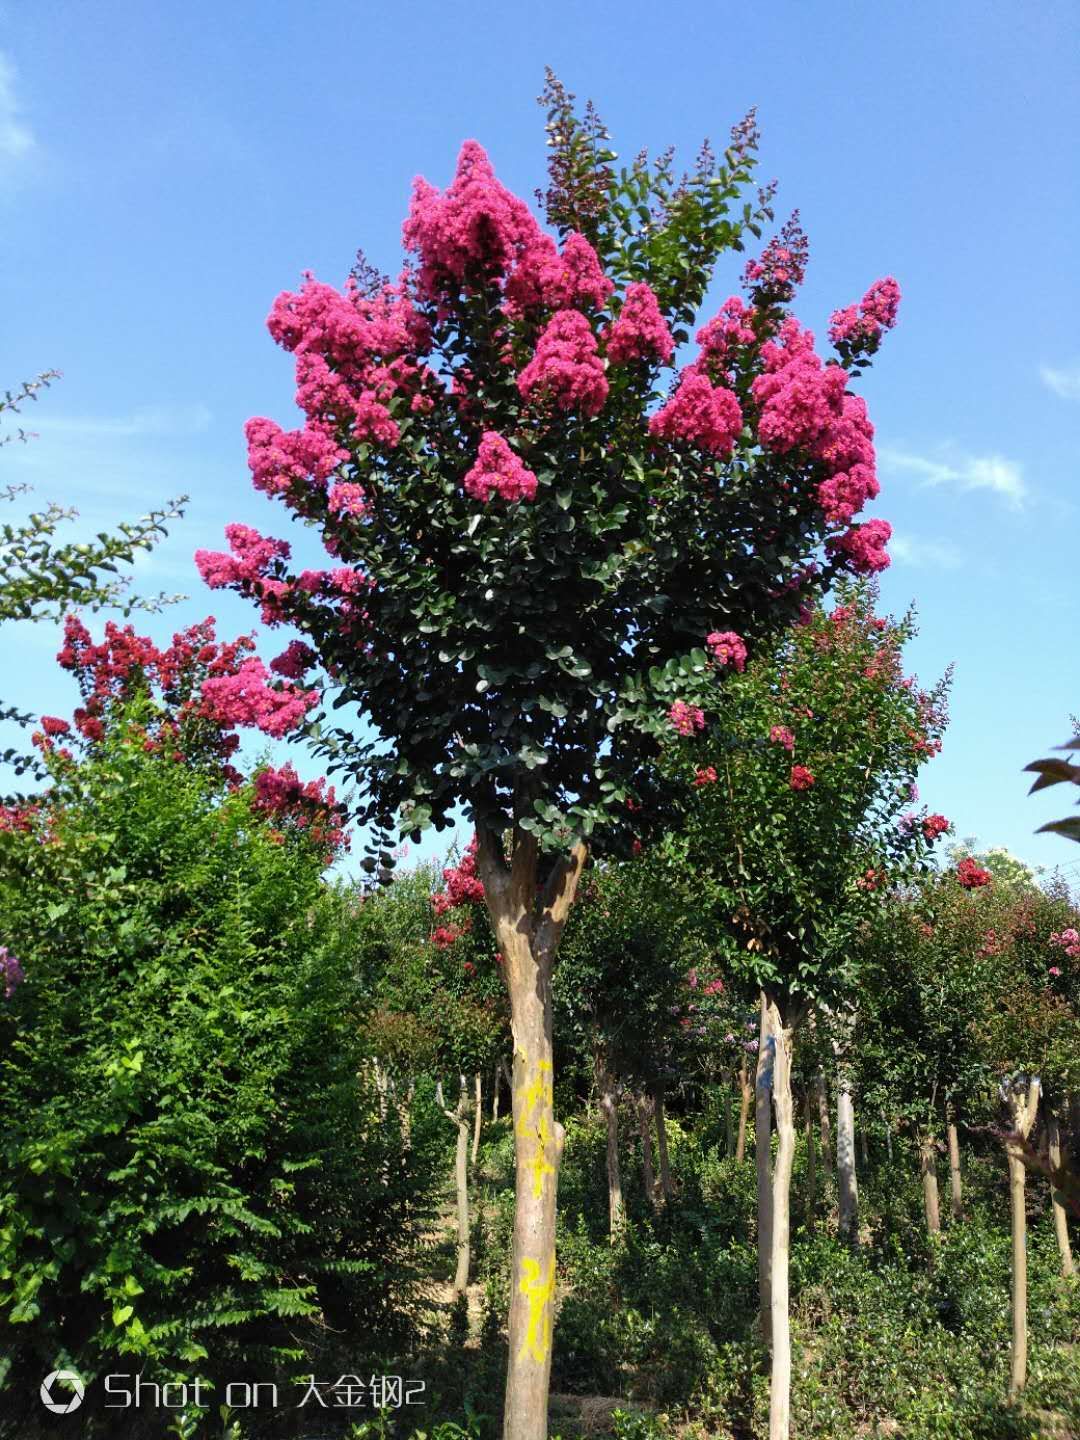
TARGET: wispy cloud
(151,420)
(925,554)
(966,472)
(1064,383)
(16,137)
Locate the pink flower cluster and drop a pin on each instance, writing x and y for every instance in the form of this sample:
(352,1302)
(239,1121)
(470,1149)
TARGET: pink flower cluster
(933,826)
(727,648)
(705,776)
(475,229)
(52,725)
(11,972)
(1067,940)
(700,414)
(347,498)
(859,328)
(498,471)
(724,338)
(246,698)
(284,462)
(463,885)
(863,547)
(971,874)
(308,806)
(801,778)
(640,332)
(294,661)
(781,735)
(248,568)
(566,368)
(686,718)
(777,274)
(544,278)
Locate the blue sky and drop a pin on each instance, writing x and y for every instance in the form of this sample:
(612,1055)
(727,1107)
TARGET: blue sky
(166,169)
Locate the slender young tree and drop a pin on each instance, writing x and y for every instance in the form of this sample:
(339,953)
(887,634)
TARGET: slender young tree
(542,534)
(794,834)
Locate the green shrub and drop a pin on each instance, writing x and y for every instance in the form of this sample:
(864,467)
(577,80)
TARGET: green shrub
(193,1169)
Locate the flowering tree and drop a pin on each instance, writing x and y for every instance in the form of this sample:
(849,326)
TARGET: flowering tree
(535,524)
(41,579)
(797,824)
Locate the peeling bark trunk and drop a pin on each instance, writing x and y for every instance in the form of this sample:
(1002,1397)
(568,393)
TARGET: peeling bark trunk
(956,1187)
(811,1167)
(667,1185)
(610,1111)
(528,930)
(846,1179)
(763,1163)
(479,1117)
(459,1118)
(1023,1102)
(644,1114)
(781,1037)
(928,1172)
(746,1095)
(1061,1223)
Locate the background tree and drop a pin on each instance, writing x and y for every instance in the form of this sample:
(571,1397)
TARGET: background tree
(792,833)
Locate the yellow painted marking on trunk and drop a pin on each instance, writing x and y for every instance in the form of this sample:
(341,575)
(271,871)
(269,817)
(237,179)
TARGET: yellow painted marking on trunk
(539,1294)
(540,1093)
(540,1164)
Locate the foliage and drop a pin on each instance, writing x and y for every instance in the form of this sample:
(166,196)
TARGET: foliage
(193,1172)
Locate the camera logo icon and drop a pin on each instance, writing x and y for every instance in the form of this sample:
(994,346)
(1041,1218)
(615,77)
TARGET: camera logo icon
(68,1403)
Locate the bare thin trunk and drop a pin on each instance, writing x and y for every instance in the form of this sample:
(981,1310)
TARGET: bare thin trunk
(811,1166)
(822,1095)
(928,1172)
(667,1185)
(1061,1223)
(495,1093)
(610,1110)
(459,1118)
(763,1162)
(847,1181)
(956,1187)
(1023,1102)
(864,1150)
(528,930)
(781,1038)
(644,1113)
(888,1124)
(746,1095)
(479,1116)
(729,1128)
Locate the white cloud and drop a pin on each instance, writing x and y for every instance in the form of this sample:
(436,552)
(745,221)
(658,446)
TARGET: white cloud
(967,472)
(149,420)
(924,554)
(1064,383)
(16,137)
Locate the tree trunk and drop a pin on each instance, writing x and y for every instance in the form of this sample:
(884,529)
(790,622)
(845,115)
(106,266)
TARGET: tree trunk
(667,1185)
(847,1181)
(460,1119)
(1023,1102)
(478,1120)
(528,929)
(610,1111)
(864,1149)
(928,1172)
(822,1095)
(729,1127)
(763,1162)
(746,1094)
(781,1041)
(644,1114)
(495,1094)
(956,1188)
(811,1167)
(888,1126)
(1061,1224)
